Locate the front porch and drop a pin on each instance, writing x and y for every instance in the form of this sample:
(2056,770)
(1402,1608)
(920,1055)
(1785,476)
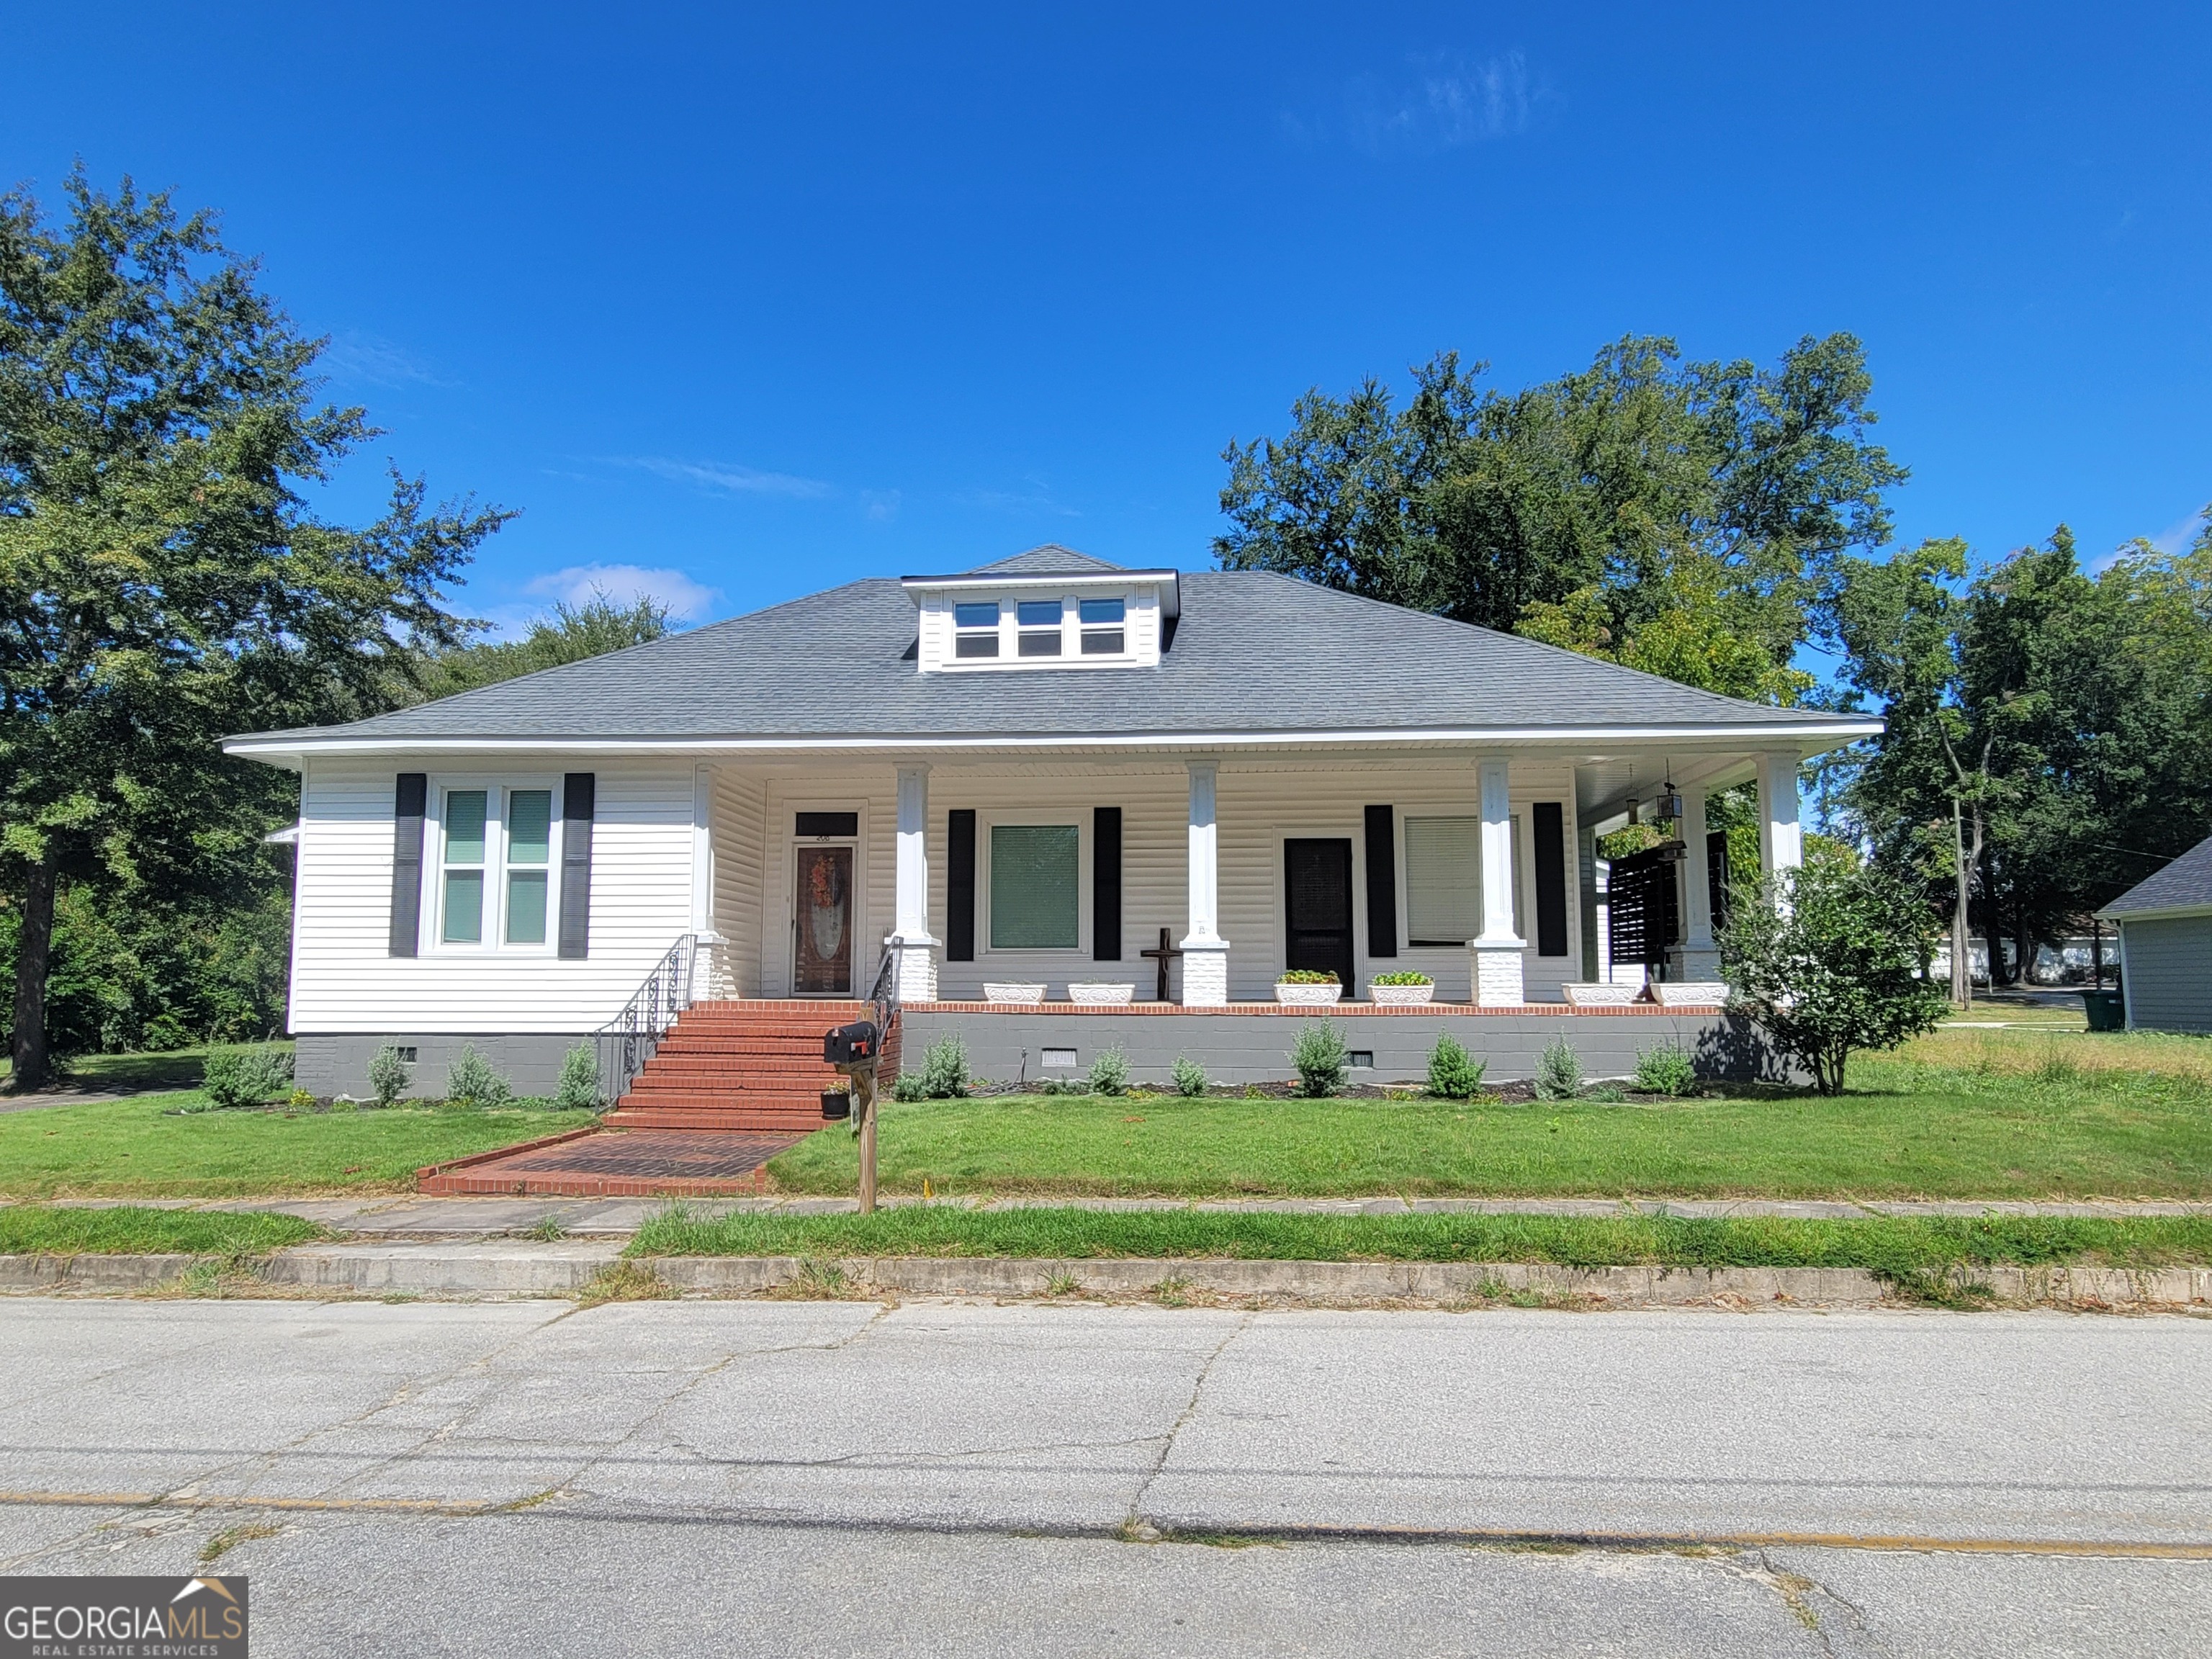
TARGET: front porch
(1476,868)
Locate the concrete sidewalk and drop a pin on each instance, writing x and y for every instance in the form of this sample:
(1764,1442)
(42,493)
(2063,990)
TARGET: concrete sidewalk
(402,1216)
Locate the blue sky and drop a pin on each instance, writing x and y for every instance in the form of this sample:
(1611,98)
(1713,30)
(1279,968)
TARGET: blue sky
(760,300)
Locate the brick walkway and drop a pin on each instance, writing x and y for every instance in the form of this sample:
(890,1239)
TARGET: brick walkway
(617,1164)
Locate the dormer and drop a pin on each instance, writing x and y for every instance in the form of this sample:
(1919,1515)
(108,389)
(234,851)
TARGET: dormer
(1048,608)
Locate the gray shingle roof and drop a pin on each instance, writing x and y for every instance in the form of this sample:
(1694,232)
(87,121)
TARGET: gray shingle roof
(1050,560)
(1254,653)
(2184,884)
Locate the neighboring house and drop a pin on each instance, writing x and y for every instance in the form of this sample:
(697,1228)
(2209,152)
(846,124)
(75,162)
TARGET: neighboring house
(2165,945)
(1043,770)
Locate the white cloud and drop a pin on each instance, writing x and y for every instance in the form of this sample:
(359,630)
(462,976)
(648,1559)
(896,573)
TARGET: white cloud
(2176,537)
(364,359)
(687,601)
(1446,101)
(881,505)
(727,477)
(1037,499)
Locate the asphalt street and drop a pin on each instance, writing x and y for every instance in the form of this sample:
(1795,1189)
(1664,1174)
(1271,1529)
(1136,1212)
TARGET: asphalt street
(836,1477)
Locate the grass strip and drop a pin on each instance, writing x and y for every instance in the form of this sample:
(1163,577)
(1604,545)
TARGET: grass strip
(131,1230)
(1896,1247)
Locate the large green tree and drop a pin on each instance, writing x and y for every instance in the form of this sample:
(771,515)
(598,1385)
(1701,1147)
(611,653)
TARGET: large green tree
(2046,727)
(1671,515)
(163,578)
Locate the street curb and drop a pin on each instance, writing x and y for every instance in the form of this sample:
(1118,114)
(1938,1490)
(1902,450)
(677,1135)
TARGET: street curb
(522,1268)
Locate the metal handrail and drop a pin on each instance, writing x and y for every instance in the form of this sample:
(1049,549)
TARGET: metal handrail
(628,1040)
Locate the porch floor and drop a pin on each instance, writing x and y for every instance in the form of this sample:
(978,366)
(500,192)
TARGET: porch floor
(617,1164)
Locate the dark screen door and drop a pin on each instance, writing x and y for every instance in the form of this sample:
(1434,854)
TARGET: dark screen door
(823,963)
(1317,907)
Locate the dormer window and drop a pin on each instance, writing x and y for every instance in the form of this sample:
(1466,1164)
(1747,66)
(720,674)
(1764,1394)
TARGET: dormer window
(1039,621)
(1103,632)
(976,630)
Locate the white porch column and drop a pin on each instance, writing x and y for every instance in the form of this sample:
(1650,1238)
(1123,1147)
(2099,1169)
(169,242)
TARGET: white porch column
(911,944)
(1205,952)
(711,976)
(1698,958)
(1781,843)
(1497,952)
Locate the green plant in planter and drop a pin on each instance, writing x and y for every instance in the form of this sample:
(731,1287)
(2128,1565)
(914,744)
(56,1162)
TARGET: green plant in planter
(1320,1056)
(1308,977)
(1189,1078)
(1454,1074)
(1400,979)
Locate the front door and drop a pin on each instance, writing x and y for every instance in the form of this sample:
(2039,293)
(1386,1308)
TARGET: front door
(822,957)
(1317,908)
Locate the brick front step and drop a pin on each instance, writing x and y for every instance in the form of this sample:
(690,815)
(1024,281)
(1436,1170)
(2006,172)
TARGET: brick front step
(737,1068)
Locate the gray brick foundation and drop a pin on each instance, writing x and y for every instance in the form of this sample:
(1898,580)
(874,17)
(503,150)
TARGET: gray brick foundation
(328,1064)
(1253,1046)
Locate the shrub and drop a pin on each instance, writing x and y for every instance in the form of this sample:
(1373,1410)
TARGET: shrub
(1109,1074)
(579,1088)
(1189,1078)
(1307,977)
(1320,1056)
(1453,1072)
(388,1076)
(1560,1073)
(1407,978)
(237,1077)
(944,1070)
(473,1082)
(1829,960)
(907,1086)
(1666,1070)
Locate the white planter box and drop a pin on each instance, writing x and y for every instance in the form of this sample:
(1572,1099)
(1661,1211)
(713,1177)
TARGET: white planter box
(1308,996)
(1693,993)
(1400,996)
(1100,993)
(1017,995)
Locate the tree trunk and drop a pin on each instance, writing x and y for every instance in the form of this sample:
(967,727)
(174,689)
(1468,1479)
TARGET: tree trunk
(1993,926)
(1962,966)
(33,949)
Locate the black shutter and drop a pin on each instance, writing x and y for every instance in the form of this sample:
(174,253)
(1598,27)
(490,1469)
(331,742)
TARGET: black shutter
(960,884)
(408,802)
(1551,879)
(1716,876)
(579,805)
(1106,883)
(1382,883)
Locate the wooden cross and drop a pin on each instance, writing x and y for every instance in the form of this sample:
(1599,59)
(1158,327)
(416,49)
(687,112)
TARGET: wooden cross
(1164,955)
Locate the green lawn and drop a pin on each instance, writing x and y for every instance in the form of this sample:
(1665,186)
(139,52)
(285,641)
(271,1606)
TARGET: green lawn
(128,1230)
(1905,1129)
(171,1068)
(142,1148)
(1895,1247)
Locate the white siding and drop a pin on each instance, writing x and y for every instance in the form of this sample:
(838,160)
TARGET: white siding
(741,872)
(344,979)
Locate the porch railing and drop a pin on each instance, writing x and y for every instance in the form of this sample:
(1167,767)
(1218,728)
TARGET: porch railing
(626,1041)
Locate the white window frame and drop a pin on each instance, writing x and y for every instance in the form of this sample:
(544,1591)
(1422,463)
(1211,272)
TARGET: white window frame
(1071,818)
(1071,655)
(1524,896)
(498,787)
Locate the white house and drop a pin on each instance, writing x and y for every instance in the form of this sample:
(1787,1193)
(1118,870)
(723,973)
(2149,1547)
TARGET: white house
(1031,772)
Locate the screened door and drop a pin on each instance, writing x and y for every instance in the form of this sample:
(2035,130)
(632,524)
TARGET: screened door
(822,963)
(1317,908)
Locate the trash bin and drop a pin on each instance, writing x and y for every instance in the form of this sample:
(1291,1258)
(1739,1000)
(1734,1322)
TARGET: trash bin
(2106,1010)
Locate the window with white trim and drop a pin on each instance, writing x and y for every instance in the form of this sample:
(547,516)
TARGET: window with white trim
(1040,623)
(976,630)
(1444,880)
(494,877)
(1036,888)
(1103,626)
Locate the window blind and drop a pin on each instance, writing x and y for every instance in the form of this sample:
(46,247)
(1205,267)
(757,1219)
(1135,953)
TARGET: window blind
(1034,871)
(1444,880)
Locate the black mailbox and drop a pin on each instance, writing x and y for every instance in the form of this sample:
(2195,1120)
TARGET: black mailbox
(850,1045)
